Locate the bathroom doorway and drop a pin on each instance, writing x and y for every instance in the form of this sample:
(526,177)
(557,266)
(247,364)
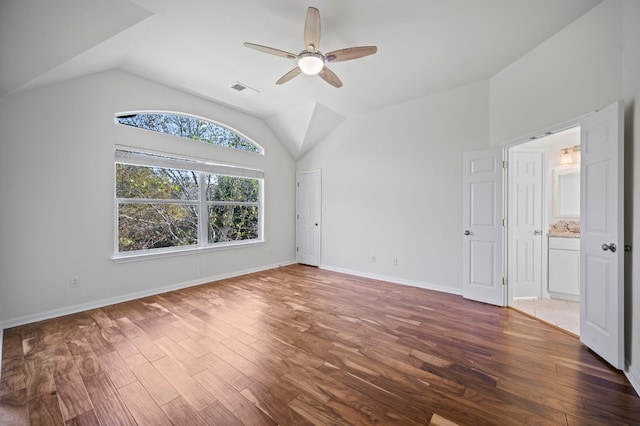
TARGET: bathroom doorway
(543,252)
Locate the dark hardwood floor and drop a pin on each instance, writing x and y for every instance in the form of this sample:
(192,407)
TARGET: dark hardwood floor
(297,346)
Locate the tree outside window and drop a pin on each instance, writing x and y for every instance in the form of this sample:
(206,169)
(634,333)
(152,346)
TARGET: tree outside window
(171,203)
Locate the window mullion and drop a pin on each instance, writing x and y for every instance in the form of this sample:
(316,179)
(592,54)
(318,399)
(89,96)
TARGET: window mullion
(234,203)
(155,201)
(203,220)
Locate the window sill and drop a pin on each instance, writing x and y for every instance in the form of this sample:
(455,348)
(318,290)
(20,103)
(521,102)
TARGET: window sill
(173,252)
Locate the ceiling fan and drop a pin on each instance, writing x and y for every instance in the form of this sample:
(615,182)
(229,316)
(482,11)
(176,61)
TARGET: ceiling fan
(311,61)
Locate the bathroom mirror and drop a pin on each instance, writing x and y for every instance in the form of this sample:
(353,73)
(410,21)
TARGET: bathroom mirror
(566,192)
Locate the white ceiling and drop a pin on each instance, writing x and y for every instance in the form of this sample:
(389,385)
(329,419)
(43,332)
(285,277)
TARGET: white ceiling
(424,46)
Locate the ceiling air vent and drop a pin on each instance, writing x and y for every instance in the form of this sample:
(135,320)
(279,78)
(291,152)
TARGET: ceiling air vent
(243,88)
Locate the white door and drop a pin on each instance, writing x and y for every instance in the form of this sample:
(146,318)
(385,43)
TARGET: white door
(525,222)
(482,226)
(601,235)
(308,210)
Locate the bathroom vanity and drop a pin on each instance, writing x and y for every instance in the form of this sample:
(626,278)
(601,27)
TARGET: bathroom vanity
(564,235)
(564,267)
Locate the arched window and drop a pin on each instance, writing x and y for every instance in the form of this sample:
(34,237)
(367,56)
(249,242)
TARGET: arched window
(189,127)
(168,203)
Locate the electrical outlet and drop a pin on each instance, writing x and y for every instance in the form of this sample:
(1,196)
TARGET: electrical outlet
(74,282)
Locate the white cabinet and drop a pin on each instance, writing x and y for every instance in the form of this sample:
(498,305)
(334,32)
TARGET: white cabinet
(564,265)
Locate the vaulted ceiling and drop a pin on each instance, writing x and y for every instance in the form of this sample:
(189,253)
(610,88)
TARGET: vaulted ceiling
(424,46)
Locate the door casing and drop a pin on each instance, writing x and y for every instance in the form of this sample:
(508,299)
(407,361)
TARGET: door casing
(575,122)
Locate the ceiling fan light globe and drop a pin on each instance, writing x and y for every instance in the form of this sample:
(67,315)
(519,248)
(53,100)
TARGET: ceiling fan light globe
(310,63)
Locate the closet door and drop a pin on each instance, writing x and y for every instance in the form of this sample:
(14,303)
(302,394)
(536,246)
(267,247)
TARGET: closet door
(308,211)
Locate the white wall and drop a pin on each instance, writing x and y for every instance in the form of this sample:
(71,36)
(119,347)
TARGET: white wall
(589,64)
(57,209)
(392,187)
(576,71)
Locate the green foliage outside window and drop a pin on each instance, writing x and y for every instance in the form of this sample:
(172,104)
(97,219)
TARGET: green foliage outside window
(144,225)
(164,207)
(188,127)
(159,207)
(229,222)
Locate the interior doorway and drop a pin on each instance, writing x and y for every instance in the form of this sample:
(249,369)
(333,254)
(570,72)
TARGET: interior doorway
(543,243)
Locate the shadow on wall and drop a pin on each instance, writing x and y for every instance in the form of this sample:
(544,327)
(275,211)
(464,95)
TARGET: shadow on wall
(629,132)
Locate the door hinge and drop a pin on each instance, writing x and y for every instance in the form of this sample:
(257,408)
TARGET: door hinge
(297,216)
(298,184)
(504,222)
(297,249)
(505,164)
(504,280)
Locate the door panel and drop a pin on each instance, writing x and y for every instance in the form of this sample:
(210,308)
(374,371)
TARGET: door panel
(601,235)
(525,222)
(482,226)
(308,211)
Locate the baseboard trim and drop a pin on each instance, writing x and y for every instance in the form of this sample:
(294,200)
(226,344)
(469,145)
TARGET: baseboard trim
(54,313)
(394,280)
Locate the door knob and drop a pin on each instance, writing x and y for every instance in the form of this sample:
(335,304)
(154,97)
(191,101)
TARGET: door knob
(536,232)
(466,232)
(611,247)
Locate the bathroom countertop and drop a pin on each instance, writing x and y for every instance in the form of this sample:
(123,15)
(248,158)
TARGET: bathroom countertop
(565,229)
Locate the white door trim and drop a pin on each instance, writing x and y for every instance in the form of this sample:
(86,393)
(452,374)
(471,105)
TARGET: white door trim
(519,141)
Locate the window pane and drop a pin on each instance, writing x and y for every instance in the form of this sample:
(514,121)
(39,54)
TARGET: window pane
(232,223)
(188,127)
(148,226)
(155,183)
(228,188)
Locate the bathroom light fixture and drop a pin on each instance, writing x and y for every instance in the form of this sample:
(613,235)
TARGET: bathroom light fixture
(567,155)
(566,158)
(576,153)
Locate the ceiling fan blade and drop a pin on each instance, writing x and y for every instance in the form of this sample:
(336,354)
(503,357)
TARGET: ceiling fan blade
(312,29)
(271,50)
(288,76)
(350,53)
(330,77)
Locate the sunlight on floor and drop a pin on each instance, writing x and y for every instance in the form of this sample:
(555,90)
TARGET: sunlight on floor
(561,313)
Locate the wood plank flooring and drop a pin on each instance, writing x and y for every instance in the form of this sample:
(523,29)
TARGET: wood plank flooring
(302,346)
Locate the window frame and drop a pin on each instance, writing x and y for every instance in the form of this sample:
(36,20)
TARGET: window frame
(124,114)
(147,158)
